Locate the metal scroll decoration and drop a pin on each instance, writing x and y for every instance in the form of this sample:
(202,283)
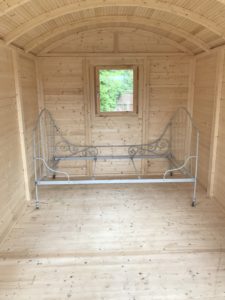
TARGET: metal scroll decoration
(59,146)
(159,147)
(64,147)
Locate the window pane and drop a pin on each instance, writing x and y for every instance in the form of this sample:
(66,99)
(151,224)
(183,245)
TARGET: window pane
(116,90)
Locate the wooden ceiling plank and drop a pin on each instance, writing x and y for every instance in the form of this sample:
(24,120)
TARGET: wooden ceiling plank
(13,6)
(91,4)
(167,40)
(114,19)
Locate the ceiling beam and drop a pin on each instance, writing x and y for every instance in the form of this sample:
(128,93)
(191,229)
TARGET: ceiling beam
(13,6)
(145,32)
(92,4)
(168,28)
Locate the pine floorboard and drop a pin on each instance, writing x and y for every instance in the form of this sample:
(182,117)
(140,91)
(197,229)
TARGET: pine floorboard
(120,242)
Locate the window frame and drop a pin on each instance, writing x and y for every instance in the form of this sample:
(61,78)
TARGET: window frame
(134,112)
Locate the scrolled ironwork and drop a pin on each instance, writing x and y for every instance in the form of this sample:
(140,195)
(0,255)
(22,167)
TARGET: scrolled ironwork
(133,150)
(65,148)
(159,147)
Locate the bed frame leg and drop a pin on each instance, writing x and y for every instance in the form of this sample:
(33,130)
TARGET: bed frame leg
(37,204)
(194,193)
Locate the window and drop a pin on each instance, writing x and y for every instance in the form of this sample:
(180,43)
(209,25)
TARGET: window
(116,90)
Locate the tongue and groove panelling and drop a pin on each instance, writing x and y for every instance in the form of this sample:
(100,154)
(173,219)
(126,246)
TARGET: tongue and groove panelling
(63,88)
(164,84)
(204,100)
(219,186)
(28,87)
(12,191)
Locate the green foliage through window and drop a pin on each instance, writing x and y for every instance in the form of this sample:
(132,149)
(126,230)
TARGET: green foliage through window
(116,90)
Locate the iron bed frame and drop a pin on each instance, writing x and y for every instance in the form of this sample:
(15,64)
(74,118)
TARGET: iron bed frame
(178,143)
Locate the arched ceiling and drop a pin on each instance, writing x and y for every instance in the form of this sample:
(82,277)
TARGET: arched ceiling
(97,39)
(194,26)
(148,24)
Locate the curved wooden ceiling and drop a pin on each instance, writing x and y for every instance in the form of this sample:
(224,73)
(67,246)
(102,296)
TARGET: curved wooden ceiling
(96,35)
(192,25)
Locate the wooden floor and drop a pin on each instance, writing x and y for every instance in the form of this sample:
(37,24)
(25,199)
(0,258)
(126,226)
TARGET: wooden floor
(116,242)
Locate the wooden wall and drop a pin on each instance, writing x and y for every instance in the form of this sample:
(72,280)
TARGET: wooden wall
(219,177)
(67,78)
(28,90)
(115,130)
(12,190)
(18,112)
(204,101)
(168,89)
(68,91)
(63,88)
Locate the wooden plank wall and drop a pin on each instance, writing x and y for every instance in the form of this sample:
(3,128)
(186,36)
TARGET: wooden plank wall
(219,186)
(28,88)
(116,130)
(63,88)
(204,100)
(18,112)
(12,191)
(68,88)
(168,90)
(68,94)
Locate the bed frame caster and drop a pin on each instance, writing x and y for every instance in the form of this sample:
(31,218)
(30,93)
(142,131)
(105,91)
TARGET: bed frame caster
(53,176)
(193,203)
